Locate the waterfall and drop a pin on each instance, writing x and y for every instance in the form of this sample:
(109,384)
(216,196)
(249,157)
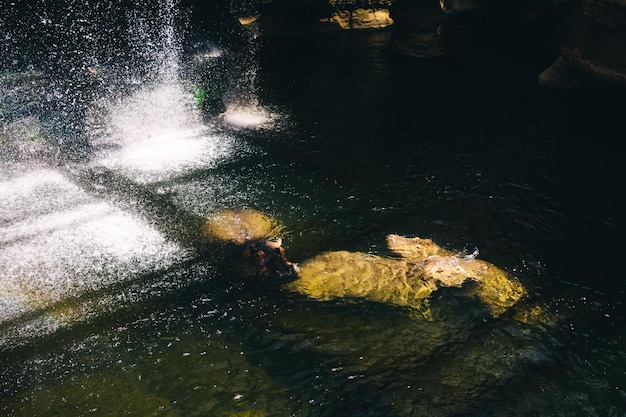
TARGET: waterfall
(93,114)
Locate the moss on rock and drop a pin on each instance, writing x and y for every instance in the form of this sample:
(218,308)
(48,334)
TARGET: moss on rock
(407,281)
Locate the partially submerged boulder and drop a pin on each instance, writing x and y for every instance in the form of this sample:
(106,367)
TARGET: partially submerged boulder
(344,274)
(407,281)
(258,236)
(241,225)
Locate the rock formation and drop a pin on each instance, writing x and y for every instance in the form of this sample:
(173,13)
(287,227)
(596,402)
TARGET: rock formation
(258,237)
(361,19)
(241,226)
(407,281)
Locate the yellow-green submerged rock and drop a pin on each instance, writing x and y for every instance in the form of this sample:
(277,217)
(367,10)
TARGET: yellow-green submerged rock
(407,281)
(344,274)
(241,225)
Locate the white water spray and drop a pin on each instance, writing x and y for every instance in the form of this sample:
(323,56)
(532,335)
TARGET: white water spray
(61,247)
(156,135)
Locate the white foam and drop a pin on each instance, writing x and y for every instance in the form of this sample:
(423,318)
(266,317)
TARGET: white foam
(161,158)
(83,249)
(247,116)
(156,135)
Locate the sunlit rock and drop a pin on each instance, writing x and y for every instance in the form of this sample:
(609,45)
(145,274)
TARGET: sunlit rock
(247,20)
(362,19)
(496,287)
(344,274)
(258,235)
(592,47)
(407,281)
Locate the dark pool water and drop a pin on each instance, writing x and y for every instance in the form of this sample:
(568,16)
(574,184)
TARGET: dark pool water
(113,303)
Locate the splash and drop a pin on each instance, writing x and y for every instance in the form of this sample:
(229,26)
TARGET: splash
(65,253)
(157,133)
(58,242)
(153,35)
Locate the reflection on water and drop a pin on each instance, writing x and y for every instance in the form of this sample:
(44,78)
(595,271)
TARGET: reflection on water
(112,303)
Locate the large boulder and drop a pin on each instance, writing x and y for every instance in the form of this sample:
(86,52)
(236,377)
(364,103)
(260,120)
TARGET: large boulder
(258,238)
(407,281)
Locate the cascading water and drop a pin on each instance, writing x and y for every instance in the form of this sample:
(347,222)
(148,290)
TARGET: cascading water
(123,124)
(65,233)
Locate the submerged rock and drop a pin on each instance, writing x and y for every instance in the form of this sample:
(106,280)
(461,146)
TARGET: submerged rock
(407,281)
(344,274)
(496,288)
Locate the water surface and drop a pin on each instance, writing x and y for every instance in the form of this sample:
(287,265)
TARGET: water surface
(112,301)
